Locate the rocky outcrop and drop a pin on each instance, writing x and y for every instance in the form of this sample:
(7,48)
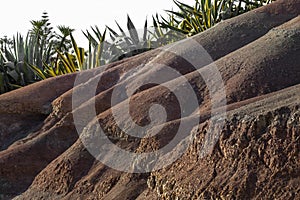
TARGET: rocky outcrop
(237,136)
(256,157)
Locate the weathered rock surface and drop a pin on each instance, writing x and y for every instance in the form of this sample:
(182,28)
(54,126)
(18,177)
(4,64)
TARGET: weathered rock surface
(256,152)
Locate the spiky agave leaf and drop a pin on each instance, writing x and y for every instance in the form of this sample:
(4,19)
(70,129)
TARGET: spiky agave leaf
(96,47)
(132,31)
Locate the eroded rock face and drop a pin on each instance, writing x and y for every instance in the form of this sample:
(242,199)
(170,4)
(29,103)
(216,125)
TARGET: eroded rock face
(254,154)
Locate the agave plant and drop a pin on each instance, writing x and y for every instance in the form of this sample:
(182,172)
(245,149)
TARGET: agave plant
(14,72)
(96,52)
(247,5)
(38,49)
(162,35)
(64,63)
(191,20)
(125,45)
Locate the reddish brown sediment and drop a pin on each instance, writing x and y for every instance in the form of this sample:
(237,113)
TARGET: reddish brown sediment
(255,157)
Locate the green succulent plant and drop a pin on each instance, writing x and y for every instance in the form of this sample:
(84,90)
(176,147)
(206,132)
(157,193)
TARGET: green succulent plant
(14,72)
(191,20)
(96,52)
(64,63)
(163,35)
(128,44)
(21,58)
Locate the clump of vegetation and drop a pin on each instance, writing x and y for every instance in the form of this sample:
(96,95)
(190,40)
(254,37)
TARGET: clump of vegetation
(43,53)
(191,20)
(21,58)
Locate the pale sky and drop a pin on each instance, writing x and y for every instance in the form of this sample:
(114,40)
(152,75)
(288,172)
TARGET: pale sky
(79,15)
